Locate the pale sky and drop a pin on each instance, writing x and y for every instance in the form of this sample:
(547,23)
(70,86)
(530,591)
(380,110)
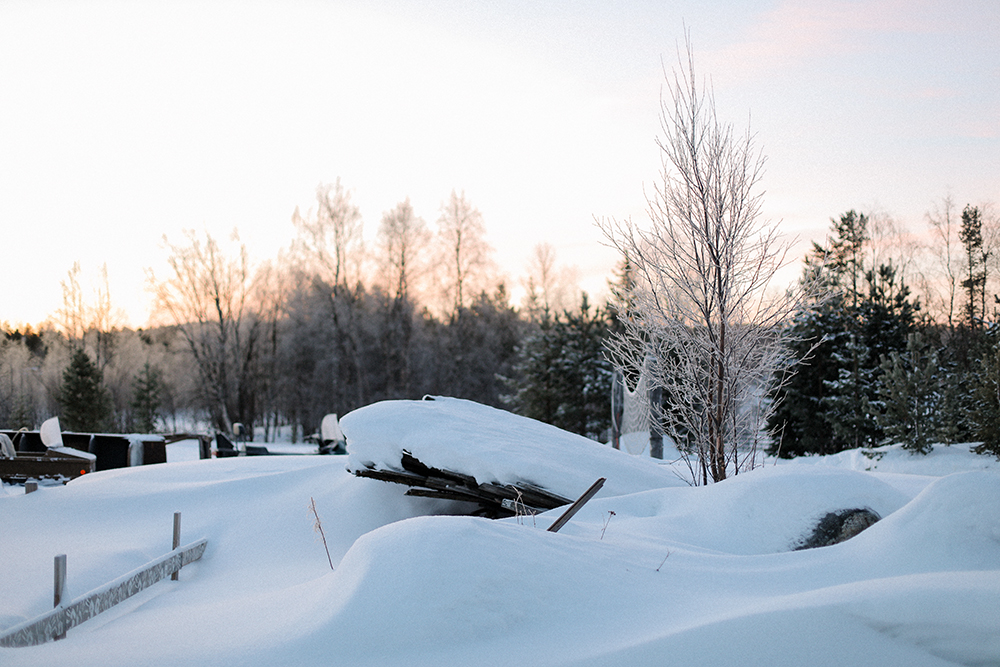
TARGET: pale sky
(124,121)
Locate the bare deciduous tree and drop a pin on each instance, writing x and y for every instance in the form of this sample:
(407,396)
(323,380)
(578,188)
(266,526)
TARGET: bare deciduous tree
(72,317)
(990,252)
(704,316)
(944,227)
(332,238)
(401,237)
(95,324)
(462,241)
(549,289)
(208,298)
(105,321)
(331,245)
(273,282)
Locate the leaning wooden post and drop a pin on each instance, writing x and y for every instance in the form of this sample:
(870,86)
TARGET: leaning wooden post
(177,541)
(59,572)
(577,504)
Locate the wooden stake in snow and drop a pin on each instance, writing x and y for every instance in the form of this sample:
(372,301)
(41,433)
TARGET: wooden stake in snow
(575,507)
(177,540)
(59,572)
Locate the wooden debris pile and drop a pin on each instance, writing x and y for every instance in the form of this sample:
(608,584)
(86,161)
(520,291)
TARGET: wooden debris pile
(494,499)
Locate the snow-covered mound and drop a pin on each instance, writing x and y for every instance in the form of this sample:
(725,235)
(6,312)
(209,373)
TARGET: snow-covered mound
(493,446)
(666,575)
(511,594)
(943,459)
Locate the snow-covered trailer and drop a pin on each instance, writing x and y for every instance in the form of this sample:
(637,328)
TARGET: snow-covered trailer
(75,454)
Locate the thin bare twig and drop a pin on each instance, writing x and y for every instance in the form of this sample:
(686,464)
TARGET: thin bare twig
(318,527)
(606,522)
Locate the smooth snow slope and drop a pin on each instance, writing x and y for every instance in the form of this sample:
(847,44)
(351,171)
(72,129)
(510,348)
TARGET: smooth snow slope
(676,575)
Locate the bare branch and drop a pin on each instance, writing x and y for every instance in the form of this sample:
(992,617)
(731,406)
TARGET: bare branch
(705,318)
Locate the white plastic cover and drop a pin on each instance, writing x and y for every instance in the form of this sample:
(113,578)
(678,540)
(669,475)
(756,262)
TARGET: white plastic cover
(6,447)
(51,433)
(330,429)
(135,452)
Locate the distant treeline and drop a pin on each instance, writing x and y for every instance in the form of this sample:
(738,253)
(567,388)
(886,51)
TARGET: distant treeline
(328,351)
(329,326)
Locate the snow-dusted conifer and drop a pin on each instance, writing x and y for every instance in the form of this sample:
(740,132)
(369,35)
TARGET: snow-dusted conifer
(84,402)
(910,395)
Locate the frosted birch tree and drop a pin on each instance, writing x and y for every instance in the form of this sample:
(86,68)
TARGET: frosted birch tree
(401,239)
(331,241)
(705,317)
(465,253)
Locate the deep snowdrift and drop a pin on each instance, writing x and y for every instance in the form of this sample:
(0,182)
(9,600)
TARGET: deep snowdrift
(493,446)
(675,575)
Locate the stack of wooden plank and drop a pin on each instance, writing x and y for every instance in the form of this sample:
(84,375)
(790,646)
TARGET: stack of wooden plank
(494,500)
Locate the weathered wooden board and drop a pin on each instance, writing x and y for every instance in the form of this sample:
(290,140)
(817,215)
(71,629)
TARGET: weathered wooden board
(577,504)
(495,500)
(56,622)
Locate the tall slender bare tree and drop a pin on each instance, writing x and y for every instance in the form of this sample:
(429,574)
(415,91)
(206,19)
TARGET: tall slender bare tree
(548,289)
(72,317)
(401,238)
(462,241)
(332,238)
(209,299)
(704,315)
(332,245)
(944,226)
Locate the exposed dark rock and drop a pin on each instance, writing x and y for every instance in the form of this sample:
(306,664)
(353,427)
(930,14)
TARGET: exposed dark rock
(838,526)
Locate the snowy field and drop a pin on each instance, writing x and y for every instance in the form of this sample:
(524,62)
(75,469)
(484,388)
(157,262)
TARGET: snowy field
(650,572)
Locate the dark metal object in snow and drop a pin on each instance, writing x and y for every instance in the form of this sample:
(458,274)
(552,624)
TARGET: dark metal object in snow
(839,526)
(494,499)
(50,464)
(61,465)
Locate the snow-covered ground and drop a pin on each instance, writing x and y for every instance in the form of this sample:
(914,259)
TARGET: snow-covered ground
(650,572)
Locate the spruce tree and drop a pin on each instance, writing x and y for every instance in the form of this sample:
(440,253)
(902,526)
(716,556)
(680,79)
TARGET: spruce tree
(985,412)
(911,396)
(562,376)
(532,387)
(863,314)
(85,404)
(849,408)
(800,420)
(959,354)
(971,236)
(147,391)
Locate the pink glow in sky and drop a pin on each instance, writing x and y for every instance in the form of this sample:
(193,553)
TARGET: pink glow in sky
(124,121)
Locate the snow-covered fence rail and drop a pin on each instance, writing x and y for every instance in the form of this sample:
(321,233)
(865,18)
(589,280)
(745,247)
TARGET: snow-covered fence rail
(54,624)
